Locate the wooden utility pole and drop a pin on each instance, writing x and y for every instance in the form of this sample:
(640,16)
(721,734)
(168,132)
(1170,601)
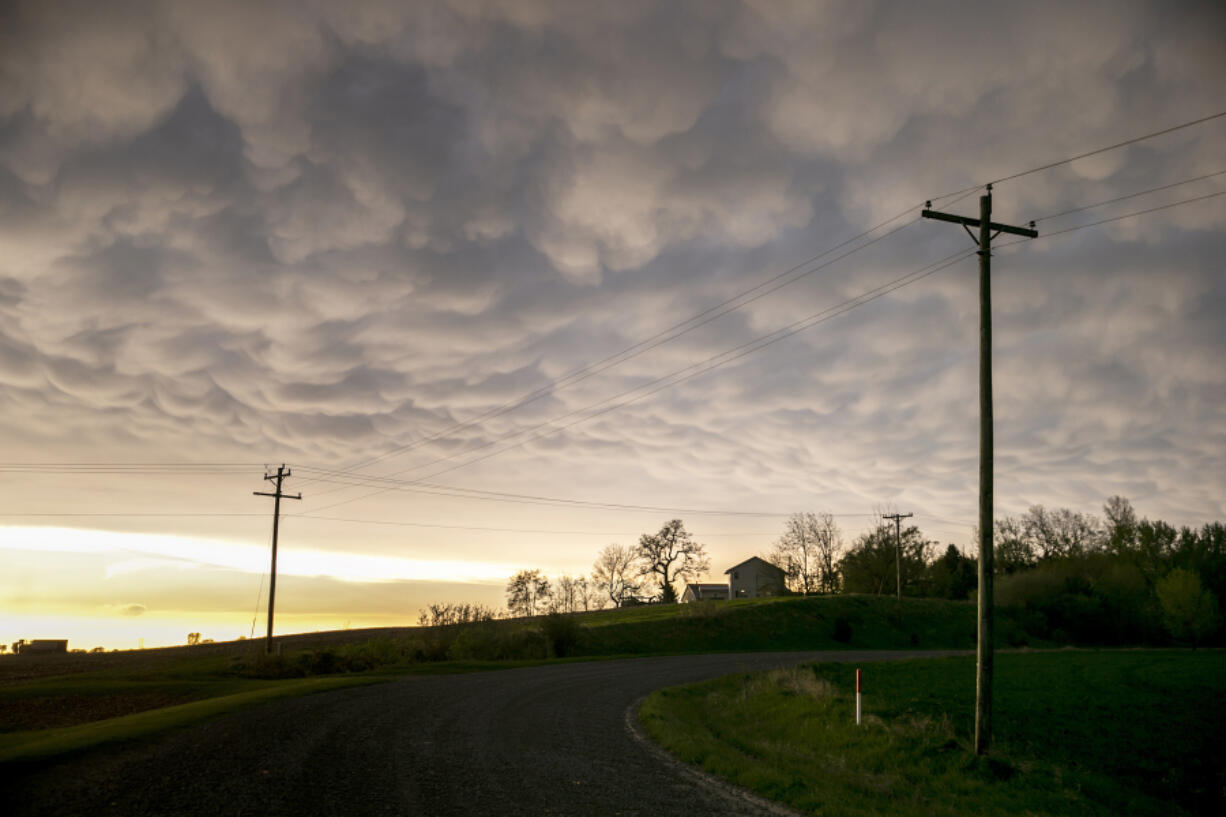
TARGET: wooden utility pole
(985,647)
(897,517)
(277,496)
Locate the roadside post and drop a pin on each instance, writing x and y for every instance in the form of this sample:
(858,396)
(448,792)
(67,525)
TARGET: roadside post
(857,696)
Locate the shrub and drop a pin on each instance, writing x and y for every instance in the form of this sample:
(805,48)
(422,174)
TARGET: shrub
(562,633)
(489,642)
(1190,611)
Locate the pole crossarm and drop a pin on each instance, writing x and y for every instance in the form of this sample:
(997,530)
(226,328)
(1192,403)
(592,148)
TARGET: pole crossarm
(277,496)
(985,630)
(897,517)
(967,221)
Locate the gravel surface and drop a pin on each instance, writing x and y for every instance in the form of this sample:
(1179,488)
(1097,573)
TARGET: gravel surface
(549,740)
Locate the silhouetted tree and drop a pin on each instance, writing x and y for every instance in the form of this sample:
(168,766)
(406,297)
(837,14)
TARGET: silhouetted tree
(1062,533)
(952,576)
(566,595)
(616,572)
(193,639)
(588,593)
(1012,549)
(441,614)
(1120,528)
(870,567)
(526,590)
(808,552)
(670,555)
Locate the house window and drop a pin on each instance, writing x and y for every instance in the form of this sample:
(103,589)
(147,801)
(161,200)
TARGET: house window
(736,574)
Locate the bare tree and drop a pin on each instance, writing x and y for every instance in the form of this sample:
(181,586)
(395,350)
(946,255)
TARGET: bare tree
(1121,527)
(527,590)
(616,573)
(809,552)
(565,595)
(1062,532)
(672,554)
(588,593)
(437,615)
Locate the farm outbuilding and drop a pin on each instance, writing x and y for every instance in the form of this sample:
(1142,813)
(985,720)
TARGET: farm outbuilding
(704,592)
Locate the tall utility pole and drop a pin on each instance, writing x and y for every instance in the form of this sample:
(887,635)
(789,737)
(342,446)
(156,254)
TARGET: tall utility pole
(277,496)
(897,517)
(984,652)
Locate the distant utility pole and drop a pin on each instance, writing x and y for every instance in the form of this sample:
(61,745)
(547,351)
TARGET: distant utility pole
(986,644)
(897,517)
(282,473)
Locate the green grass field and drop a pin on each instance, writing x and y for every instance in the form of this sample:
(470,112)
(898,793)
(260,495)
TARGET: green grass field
(790,623)
(1077,732)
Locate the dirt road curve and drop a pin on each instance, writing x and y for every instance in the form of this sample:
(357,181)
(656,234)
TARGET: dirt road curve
(537,741)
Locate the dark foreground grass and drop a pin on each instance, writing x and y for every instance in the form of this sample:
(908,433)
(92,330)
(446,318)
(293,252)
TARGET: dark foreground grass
(30,746)
(1077,732)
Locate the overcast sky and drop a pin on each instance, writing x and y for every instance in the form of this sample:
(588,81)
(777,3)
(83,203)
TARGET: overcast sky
(318,233)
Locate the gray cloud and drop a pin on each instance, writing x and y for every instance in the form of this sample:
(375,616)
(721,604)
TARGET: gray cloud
(260,232)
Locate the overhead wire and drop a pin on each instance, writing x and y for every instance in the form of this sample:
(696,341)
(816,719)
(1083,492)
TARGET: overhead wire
(1131,215)
(713,362)
(1116,146)
(671,333)
(400,523)
(661,337)
(416,486)
(724,358)
(119,514)
(1128,196)
(688,372)
(664,336)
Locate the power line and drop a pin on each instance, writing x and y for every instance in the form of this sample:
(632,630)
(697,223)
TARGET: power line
(121,468)
(463,493)
(1085,155)
(660,337)
(473,493)
(1131,215)
(666,335)
(398,523)
(689,372)
(1117,145)
(416,486)
(123,515)
(736,353)
(1129,196)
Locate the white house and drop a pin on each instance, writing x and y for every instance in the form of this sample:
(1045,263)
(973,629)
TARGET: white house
(755,577)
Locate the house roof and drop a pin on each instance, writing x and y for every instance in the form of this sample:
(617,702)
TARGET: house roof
(755,559)
(707,585)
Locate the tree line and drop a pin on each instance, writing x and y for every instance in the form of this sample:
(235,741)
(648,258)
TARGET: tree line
(1080,577)
(620,575)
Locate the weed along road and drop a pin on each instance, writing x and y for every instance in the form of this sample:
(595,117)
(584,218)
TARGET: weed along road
(530,741)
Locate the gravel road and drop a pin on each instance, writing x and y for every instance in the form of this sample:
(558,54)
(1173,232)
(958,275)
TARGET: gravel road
(549,740)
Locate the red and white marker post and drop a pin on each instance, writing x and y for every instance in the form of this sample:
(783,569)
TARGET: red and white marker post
(857,697)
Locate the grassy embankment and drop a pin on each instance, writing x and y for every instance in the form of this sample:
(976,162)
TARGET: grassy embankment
(1077,733)
(48,706)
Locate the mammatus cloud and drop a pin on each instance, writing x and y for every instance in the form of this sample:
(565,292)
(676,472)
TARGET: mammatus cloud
(266,232)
